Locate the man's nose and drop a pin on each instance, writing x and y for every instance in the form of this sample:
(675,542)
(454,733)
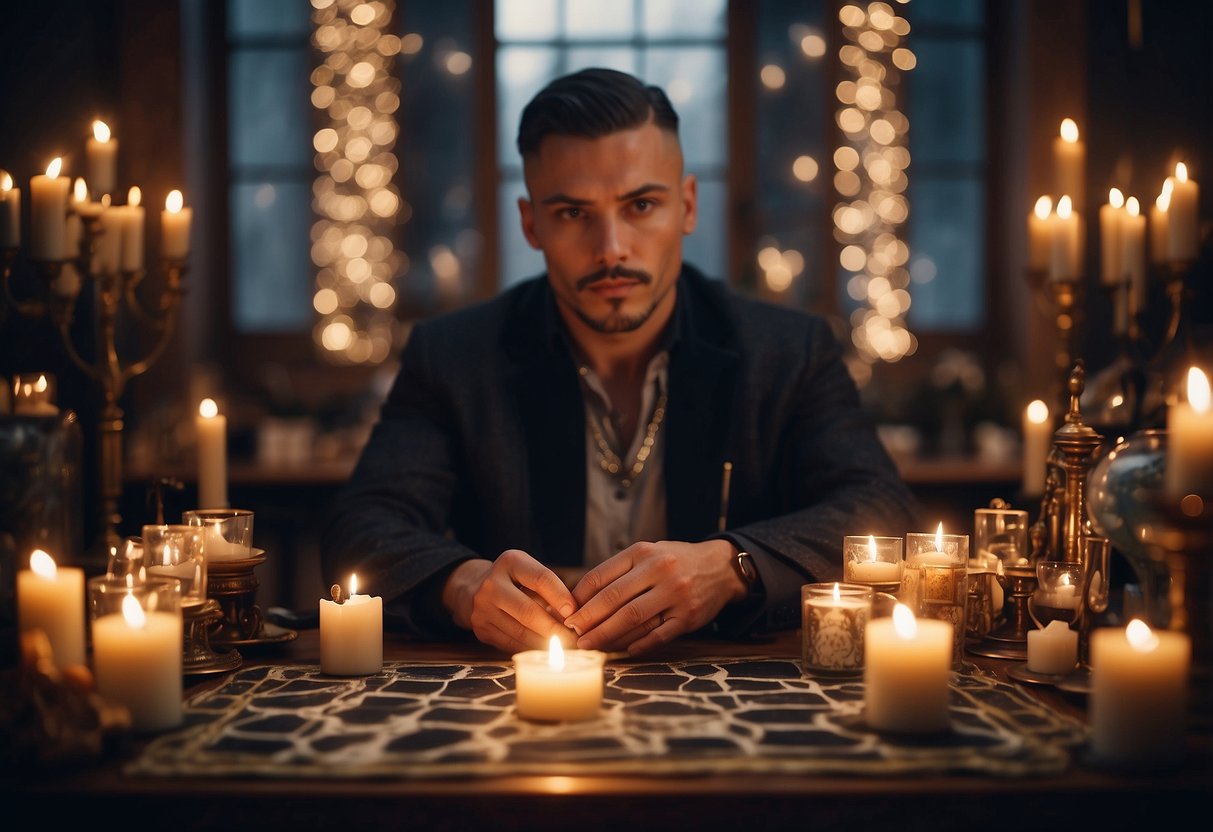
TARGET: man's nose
(612,241)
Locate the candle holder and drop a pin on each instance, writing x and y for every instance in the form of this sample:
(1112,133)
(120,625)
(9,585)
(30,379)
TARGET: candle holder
(873,560)
(59,287)
(233,584)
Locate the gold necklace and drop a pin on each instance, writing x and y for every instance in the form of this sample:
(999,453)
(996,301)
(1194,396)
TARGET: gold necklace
(610,462)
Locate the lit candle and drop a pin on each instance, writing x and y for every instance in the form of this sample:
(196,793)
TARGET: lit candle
(175,227)
(10,212)
(1040,234)
(1158,223)
(211,428)
(48,213)
(556,685)
(51,598)
(1111,271)
(935,582)
(34,396)
(1064,595)
(81,203)
(351,634)
(1189,457)
(1139,690)
(108,244)
(1133,253)
(101,152)
(1037,437)
(1069,162)
(876,564)
(907,665)
(130,257)
(1183,228)
(833,618)
(1065,251)
(1052,650)
(137,660)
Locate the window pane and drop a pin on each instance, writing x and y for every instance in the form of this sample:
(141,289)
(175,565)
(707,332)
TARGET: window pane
(621,58)
(526,19)
(518,259)
(684,18)
(521,72)
(269,18)
(945,12)
(947,96)
(696,80)
(271,266)
(269,108)
(706,247)
(599,19)
(947,237)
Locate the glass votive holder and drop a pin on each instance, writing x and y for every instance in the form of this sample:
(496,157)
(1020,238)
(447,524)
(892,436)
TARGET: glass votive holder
(1001,533)
(176,550)
(873,560)
(935,582)
(228,532)
(127,559)
(137,633)
(833,619)
(34,395)
(1058,595)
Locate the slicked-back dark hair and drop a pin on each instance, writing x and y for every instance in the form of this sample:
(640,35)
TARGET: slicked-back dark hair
(592,103)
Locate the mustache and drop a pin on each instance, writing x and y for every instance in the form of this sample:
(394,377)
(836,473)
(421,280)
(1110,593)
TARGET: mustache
(613,271)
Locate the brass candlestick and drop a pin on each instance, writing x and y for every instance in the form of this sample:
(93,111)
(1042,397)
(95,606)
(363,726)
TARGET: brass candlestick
(115,290)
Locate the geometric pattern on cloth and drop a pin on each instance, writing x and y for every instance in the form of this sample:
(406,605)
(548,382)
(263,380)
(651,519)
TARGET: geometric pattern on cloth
(430,719)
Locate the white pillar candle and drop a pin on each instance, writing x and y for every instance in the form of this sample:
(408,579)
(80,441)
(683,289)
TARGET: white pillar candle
(1139,694)
(1189,457)
(211,428)
(556,685)
(1040,234)
(48,213)
(1053,649)
(907,666)
(137,660)
(107,246)
(1158,223)
(833,618)
(1133,254)
(1183,227)
(130,256)
(1037,440)
(1069,163)
(1065,252)
(10,212)
(101,154)
(351,634)
(51,598)
(1111,221)
(175,227)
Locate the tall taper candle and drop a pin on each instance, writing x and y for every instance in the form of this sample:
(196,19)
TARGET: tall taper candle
(48,213)
(211,427)
(101,152)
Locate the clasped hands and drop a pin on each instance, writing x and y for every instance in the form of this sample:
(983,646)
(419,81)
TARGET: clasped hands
(642,597)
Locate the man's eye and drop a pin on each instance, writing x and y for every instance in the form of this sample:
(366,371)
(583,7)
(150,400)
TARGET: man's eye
(570,213)
(643,205)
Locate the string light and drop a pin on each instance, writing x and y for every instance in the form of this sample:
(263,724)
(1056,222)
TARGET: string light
(356,95)
(871,178)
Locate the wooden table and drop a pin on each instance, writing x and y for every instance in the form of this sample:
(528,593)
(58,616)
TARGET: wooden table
(1088,798)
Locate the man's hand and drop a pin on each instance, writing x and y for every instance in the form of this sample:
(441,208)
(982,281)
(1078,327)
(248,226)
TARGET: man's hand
(650,593)
(514,603)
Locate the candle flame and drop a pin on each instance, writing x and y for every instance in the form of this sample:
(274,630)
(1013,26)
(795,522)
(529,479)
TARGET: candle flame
(56,165)
(1069,130)
(1038,412)
(1198,390)
(6,181)
(80,190)
(101,131)
(42,564)
(207,409)
(1044,207)
(132,612)
(353,584)
(41,384)
(904,622)
(1065,206)
(939,537)
(134,196)
(1141,637)
(1065,579)
(174,202)
(1115,198)
(555,654)
(872,548)
(1132,206)
(1181,172)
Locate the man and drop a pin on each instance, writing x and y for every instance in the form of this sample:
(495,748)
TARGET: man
(607,417)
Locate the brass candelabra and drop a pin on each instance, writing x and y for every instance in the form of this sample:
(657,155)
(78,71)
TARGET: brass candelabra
(60,283)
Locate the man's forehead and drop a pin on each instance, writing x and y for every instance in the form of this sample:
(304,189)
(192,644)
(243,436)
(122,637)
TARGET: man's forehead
(637,155)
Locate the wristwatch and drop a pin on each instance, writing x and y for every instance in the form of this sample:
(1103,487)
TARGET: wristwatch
(746,568)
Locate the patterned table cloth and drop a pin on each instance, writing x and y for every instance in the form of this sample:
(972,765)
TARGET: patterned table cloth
(425,719)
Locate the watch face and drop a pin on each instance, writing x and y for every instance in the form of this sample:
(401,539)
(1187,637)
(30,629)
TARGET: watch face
(745,563)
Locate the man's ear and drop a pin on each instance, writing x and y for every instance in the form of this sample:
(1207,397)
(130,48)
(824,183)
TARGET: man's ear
(526,213)
(690,203)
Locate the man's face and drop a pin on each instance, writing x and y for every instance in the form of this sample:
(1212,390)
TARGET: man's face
(609,215)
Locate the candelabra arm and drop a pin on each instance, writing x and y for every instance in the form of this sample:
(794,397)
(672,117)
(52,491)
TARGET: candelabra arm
(169,299)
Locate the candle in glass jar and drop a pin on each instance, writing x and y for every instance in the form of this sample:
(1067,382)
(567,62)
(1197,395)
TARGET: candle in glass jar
(211,428)
(48,213)
(1189,457)
(907,665)
(1053,649)
(137,658)
(10,212)
(1139,690)
(351,633)
(833,618)
(51,598)
(101,153)
(558,685)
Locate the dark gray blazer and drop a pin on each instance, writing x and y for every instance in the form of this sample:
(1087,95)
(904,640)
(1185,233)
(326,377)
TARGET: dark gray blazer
(480,447)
